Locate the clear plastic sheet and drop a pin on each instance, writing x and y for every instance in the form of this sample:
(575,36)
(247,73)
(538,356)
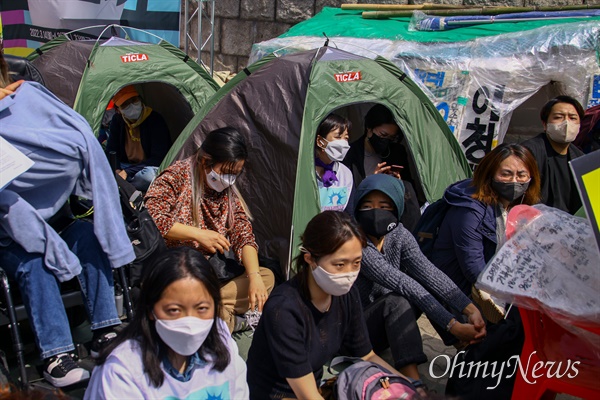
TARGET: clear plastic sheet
(477,84)
(550,263)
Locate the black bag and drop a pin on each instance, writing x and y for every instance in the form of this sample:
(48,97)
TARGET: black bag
(141,229)
(225,266)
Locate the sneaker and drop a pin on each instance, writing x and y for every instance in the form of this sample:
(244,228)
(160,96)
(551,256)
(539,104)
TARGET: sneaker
(61,370)
(240,324)
(100,342)
(246,322)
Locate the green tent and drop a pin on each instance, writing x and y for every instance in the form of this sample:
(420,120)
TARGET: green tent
(86,74)
(278,103)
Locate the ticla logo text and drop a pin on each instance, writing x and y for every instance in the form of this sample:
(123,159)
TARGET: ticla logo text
(348,76)
(483,369)
(134,57)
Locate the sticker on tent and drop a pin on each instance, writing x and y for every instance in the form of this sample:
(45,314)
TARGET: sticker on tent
(348,76)
(134,57)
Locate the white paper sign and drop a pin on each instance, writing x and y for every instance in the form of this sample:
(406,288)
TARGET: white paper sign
(12,163)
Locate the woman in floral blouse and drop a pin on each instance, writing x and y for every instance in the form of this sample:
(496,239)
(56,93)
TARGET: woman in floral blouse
(194,203)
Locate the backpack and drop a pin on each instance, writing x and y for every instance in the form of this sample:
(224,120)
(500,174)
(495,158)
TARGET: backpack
(365,380)
(427,229)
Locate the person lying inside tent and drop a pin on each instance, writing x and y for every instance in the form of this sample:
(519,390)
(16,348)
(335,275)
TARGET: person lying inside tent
(334,179)
(139,136)
(379,151)
(397,282)
(38,248)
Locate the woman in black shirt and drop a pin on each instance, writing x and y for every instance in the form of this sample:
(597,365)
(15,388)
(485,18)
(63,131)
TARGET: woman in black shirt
(314,316)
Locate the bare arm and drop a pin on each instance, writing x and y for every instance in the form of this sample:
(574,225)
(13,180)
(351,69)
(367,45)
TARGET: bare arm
(305,387)
(257,292)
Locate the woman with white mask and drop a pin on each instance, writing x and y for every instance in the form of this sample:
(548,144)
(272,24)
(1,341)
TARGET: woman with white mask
(334,179)
(139,137)
(176,346)
(195,203)
(314,316)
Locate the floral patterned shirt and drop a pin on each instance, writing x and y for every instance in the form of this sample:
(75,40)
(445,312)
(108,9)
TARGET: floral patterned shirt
(169,200)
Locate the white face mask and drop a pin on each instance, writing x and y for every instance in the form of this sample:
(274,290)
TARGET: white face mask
(220,182)
(565,132)
(133,111)
(336,150)
(184,335)
(334,284)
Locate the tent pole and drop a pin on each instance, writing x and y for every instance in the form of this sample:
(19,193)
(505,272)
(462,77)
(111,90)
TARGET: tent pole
(185,26)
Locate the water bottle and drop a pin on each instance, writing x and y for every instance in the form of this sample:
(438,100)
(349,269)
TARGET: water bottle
(119,299)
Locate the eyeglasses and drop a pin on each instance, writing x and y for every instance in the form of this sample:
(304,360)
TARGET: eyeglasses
(509,177)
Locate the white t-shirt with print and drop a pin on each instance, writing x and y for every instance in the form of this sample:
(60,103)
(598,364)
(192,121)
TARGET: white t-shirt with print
(122,377)
(337,195)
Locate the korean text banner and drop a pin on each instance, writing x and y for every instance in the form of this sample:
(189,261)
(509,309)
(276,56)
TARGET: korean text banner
(26,24)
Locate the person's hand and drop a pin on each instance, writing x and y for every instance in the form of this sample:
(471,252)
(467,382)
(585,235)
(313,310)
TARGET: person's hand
(393,170)
(474,316)
(212,241)
(10,89)
(257,292)
(467,333)
(477,321)
(121,173)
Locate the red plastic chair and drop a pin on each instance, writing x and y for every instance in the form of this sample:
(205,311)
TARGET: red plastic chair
(551,342)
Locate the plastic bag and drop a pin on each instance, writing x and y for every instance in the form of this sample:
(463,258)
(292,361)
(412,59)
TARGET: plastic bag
(551,264)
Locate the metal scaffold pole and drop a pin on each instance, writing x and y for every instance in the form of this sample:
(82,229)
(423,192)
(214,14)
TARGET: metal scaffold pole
(203,13)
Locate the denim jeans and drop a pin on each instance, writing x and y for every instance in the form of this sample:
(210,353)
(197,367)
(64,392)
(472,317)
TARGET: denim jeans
(143,178)
(40,289)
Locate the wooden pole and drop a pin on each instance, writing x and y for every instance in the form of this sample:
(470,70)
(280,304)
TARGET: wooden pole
(397,7)
(475,11)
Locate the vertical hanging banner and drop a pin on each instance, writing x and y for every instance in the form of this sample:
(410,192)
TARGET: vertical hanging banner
(26,24)
(480,123)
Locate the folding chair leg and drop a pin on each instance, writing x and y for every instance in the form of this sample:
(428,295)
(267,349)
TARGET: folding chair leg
(14,329)
(126,297)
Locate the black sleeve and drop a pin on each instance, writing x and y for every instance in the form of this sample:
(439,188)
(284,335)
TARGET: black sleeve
(285,331)
(356,338)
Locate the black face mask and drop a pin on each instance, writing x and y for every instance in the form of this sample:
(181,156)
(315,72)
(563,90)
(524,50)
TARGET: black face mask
(380,145)
(377,222)
(510,190)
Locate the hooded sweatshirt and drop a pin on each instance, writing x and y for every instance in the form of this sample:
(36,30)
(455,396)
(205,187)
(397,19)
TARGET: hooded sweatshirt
(467,237)
(401,267)
(67,160)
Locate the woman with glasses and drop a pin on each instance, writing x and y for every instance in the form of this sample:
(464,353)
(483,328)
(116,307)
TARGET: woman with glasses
(473,228)
(195,203)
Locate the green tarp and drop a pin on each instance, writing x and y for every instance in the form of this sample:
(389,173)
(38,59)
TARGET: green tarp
(349,23)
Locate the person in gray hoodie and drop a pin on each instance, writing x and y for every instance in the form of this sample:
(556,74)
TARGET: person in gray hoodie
(397,282)
(36,249)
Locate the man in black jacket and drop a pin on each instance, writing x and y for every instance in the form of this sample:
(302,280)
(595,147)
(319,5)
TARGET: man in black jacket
(553,150)
(139,137)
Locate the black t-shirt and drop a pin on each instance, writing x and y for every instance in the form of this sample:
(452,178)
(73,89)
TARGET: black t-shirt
(563,195)
(294,339)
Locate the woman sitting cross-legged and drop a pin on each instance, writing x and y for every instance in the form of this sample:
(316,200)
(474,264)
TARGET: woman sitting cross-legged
(310,318)
(176,346)
(397,282)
